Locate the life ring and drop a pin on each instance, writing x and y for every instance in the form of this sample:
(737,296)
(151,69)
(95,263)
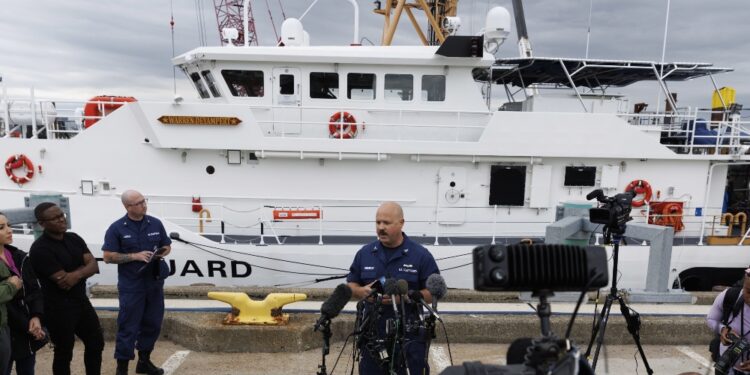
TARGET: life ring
(19,161)
(640,187)
(672,214)
(100,106)
(342,125)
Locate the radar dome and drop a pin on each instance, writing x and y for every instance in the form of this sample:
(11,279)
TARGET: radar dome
(292,32)
(497,28)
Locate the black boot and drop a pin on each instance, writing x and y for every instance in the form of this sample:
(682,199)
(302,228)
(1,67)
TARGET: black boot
(145,366)
(122,367)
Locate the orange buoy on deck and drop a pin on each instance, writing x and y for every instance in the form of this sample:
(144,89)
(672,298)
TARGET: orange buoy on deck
(100,106)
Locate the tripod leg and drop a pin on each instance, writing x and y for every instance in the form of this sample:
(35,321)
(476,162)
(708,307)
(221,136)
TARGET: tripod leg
(633,321)
(601,328)
(595,330)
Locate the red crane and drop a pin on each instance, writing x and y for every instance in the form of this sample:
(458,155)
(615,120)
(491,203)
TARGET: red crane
(229,14)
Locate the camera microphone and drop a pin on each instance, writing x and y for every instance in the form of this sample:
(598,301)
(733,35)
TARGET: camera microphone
(598,193)
(176,236)
(334,304)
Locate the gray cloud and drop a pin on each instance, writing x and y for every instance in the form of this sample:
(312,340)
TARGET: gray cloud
(84,48)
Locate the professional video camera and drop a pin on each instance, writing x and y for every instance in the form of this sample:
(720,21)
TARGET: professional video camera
(541,269)
(614,211)
(739,345)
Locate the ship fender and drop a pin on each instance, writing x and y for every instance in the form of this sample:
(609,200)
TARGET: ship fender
(641,188)
(342,125)
(19,161)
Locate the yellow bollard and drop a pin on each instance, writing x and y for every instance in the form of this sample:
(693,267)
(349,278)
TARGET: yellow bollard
(200,219)
(728,219)
(247,311)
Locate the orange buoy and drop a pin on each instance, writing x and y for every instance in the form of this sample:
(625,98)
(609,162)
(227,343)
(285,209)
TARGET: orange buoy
(102,105)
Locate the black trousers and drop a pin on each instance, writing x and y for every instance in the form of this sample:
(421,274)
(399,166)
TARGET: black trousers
(67,320)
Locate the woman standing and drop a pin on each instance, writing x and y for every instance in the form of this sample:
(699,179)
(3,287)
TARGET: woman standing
(9,285)
(24,314)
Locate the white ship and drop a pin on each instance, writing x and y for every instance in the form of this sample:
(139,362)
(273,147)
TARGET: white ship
(291,148)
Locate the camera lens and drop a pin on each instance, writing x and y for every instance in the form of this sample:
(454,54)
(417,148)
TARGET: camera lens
(497,275)
(497,254)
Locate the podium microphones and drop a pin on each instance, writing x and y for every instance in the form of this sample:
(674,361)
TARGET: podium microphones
(436,285)
(416,296)
(334,304)
(390,288)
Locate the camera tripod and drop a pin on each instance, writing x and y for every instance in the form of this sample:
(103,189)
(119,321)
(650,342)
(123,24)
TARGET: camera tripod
(632,318)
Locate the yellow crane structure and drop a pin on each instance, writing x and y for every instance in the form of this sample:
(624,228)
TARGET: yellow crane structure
(439,14)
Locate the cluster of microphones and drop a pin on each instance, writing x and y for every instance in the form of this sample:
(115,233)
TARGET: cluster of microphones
(435,284)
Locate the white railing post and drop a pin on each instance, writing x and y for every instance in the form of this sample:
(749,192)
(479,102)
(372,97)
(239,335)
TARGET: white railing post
(494,224)
(32,107)
(320,223)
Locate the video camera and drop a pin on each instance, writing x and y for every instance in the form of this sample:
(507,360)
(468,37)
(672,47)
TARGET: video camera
(739,345)
(613,212)
(542,269)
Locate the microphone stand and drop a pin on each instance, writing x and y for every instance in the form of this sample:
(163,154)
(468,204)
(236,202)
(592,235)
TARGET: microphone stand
(325,329)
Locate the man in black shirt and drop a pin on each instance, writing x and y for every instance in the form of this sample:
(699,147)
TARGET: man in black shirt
(63,262)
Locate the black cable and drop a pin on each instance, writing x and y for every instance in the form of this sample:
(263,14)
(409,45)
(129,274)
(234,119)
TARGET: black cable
(341,352)
(448,343)
(262,267)
(262,256)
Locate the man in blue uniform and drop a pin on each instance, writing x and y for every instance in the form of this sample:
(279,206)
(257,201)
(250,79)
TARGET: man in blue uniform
(394,255)
(137,243)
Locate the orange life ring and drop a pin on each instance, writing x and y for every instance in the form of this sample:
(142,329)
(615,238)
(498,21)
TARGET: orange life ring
(342,125)
(100,106)
(640,187)
(672,214)
(19,161)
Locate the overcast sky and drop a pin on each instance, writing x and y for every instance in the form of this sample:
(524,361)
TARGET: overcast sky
(77,49)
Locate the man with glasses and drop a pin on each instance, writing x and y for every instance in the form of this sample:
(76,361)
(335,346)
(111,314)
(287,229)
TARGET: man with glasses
(62,262)
(137,243)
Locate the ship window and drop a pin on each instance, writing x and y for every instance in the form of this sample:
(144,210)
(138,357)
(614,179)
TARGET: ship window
(244,82)
(199,85)
(286,84)
(507,185)
(360,86)
(580,176)
(433,88)
(399,87)
(211,83)
(324,85)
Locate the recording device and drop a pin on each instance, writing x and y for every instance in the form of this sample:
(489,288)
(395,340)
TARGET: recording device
(416,296)
(160,251)
(436,285)
(613,212)
(539,267)
(333,305)
(390,288)
(739,345)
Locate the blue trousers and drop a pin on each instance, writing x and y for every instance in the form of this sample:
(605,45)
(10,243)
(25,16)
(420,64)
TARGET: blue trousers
(139,321)
(24,366)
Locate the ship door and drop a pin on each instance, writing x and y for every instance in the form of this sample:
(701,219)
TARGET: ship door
(286,101)
(451,199)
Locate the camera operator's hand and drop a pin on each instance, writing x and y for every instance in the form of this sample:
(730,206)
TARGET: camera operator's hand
(743,366)
(725,339)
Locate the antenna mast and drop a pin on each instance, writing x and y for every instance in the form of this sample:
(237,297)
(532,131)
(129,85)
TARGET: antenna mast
(436,12)
(229,14)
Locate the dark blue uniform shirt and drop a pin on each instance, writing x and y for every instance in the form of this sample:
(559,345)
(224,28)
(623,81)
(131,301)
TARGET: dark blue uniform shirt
(128,236)
(410,261)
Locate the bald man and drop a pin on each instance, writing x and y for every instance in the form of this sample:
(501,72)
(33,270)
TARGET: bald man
(393,256)
(131,243)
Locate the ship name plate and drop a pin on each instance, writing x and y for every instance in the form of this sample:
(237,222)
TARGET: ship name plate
(199,120)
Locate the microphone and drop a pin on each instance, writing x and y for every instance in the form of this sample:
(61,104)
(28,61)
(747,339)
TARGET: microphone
(436,285)
(390,287)
(403,287)
(176,236)
(416,296)
(334,304)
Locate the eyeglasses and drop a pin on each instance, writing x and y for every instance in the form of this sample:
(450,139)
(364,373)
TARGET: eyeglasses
(141,202)
(56,217)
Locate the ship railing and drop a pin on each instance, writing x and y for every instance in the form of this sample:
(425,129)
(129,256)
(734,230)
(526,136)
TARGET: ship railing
(460,125)
(256,224)
(697,131)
